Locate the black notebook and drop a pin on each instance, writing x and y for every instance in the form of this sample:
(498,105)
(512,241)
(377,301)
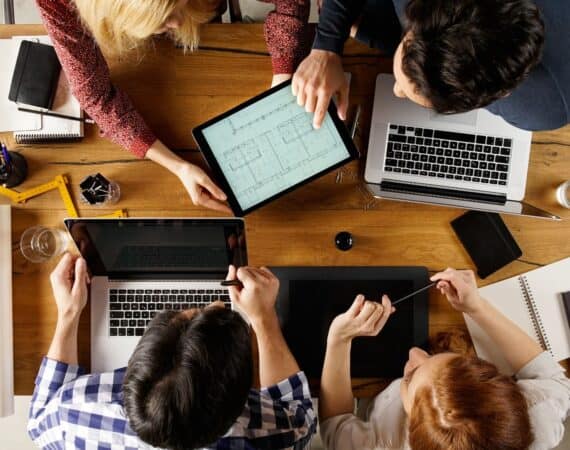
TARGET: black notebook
(36,76)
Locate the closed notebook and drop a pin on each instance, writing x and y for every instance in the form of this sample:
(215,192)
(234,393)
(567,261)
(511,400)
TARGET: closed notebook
(53,128)
(534,302)
(36,75)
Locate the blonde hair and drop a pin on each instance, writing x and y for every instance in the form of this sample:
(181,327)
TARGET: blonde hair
(120,26)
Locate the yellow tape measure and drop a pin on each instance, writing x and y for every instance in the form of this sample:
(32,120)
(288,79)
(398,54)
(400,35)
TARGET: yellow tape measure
(60,183)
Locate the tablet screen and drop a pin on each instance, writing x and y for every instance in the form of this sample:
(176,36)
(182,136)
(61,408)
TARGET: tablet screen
(271,146)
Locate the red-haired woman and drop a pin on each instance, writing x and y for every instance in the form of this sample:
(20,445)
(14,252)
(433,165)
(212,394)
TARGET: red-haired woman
(446,401)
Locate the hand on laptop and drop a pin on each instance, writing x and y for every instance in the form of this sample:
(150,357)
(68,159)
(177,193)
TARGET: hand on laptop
(203,191)
(363,318)
(279,78)
(318,78)
(460,288)
(69,282)
(257,297)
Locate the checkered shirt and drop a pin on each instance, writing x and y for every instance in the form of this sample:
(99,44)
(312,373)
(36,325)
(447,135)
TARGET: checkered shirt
(71,410)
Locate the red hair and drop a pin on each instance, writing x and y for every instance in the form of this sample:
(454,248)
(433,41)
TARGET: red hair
(470,406)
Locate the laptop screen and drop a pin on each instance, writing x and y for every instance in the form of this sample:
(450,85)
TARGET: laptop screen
(159,246)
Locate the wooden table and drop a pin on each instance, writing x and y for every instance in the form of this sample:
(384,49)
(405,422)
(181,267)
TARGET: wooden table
(175,92)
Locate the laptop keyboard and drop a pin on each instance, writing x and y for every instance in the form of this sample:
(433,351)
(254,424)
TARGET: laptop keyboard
(448,155)
(131,310)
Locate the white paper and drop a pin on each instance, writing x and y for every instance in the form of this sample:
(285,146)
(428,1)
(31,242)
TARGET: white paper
(6,337)
(10,118)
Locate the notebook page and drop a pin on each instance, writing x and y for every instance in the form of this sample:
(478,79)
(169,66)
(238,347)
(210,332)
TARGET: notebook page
(546,284)
(10,118)
(507,297)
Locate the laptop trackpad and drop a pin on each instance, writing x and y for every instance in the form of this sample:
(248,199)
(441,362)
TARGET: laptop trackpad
(469,118)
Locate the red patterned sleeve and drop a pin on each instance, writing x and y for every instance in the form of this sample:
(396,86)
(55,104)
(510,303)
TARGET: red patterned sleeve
(90,81)
(287,34)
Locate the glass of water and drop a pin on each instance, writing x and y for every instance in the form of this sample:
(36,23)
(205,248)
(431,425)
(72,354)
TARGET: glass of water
(563,194)
(40,244)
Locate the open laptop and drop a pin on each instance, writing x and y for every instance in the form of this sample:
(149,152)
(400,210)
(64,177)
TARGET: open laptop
(473,160)
(140,267)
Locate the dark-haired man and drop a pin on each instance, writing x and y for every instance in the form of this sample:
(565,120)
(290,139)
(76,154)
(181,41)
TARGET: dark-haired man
(509,56)
(188,383)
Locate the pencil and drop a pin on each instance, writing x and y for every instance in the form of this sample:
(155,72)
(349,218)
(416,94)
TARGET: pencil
(414,293)
(236,283)
(60,116)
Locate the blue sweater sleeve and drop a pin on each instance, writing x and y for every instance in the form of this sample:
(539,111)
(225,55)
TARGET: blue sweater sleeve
(335,19)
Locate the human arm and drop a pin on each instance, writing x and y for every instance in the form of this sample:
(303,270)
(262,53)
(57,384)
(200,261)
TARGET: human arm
(89,78)
(363,318)
(460,288)
(69,284)
(257,300)
(286,36)
(320,75)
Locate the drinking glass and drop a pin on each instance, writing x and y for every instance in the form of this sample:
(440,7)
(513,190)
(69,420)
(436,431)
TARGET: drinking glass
(563,194)
(40,244)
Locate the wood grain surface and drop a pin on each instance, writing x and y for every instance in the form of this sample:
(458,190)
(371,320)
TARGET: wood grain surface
(177,91)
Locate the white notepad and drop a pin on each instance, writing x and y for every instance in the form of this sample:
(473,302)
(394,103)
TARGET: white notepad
(64,103)
(534,302)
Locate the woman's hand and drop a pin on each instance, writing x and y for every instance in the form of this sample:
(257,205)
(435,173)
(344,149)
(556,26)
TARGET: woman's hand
(280,78)
(460,288)
(202,189)
(363,318)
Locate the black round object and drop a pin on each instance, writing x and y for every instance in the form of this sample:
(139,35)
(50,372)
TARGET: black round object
(344,241)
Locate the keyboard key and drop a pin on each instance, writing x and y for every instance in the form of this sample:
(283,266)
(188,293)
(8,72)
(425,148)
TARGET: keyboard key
(411,140)
(145,314)
(113,332)
(453,144)
(502,176)
(132,323)
(490,140)
(115,322)
(428,133)
(481,157)
(135,306)
(113,298)
(461,171)
(439,152)
(490,158)
(122,332)
(128,315)
(396,138)
(401,129)
(498,141)
(148,291)
(505,151)
(432,159)
(494,175)
(457,153)
(115,307)
(141,323)
(481,139)
(449,161)
(122,291)
(136,315)
(476,180)
(445,144)
(139,331)
(473,155)
(130,332)
(436,143)
(454,136)
(126,306)
(502,159)
(486,174)
(431,151)
(507,143)
(448,153)
(478,173)
(482,165)
(470,147)
(469,172)
(440,160)
(418,131)
(462,146)
(116,314)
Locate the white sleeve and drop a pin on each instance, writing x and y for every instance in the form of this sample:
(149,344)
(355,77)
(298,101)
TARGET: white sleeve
(547,391)
(347,432)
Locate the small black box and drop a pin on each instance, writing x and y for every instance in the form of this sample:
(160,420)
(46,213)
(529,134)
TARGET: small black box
(487,240)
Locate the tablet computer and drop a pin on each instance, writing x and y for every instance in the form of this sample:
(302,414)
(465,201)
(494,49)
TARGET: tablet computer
(311,297)
(266,147)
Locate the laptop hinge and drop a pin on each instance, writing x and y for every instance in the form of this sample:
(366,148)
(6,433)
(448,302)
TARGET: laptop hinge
(392,186)
(126,276)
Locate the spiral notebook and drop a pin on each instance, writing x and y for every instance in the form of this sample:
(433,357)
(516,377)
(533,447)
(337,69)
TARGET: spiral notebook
(534,302)
(52,128)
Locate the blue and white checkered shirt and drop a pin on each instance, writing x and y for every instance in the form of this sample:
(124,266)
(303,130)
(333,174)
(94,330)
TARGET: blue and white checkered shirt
(71,410)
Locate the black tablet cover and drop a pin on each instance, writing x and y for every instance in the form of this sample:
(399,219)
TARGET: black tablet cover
(311,297)
(487,239)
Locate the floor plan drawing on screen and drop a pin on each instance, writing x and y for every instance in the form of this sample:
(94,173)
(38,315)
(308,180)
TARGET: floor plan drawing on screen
(271,145)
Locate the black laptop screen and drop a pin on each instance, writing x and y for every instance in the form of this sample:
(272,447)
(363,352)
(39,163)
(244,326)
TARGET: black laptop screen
(154,246)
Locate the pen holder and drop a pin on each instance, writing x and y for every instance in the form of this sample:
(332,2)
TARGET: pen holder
(15,172)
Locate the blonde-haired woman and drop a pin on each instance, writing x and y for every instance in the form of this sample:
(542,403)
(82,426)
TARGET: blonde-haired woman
(81,30)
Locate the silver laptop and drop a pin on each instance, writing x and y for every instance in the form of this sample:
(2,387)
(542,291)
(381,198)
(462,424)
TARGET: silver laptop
(141,267)
(474,160)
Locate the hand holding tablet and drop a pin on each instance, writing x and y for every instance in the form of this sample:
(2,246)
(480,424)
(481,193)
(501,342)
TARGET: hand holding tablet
(267,146)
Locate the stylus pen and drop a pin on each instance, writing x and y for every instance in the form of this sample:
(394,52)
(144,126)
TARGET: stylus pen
(414,293)
(232,283)
(60,116)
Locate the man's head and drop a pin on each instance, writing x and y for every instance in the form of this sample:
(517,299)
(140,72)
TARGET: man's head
(458,55)
(189,377)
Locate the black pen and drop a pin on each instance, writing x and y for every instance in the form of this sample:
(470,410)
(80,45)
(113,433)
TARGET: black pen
(236,283)
(414,293)
(60,116)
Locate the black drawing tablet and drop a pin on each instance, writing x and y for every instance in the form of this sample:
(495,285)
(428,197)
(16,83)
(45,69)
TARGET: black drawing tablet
(266,147)
(311,297)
